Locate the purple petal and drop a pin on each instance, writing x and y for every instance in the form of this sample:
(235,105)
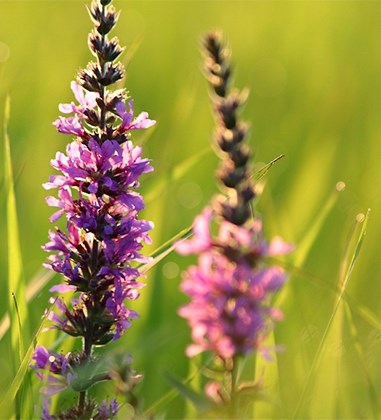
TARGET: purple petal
(62,288)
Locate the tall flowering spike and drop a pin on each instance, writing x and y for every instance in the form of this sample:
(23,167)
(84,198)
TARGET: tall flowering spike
(229,312)
(234,172)
(96,193)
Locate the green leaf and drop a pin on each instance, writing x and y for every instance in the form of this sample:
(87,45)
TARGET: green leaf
(17,307)
(201,402)
(316,382)
(372,392)
(268,373)
(37,282)
(165,250)
(260,173)
(161,184)
(10,395)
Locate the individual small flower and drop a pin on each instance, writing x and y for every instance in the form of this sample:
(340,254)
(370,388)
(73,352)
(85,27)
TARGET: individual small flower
(125,378)
(128,121)
(71,125)
(45,415)
(107,411)
(201,239)
(215,392)
(86,100)
(53,369)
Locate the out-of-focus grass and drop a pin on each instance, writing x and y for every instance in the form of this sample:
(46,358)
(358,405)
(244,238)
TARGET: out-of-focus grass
(313,71)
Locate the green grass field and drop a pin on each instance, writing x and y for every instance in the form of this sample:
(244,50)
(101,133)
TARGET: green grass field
(313,71)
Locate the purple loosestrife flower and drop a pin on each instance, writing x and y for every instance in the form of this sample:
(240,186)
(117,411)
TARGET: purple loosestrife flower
(54,369)
(107,410)
(96,194)
(230,289)
(229,312)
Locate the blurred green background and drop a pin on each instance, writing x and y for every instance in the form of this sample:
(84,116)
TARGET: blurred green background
(313,70)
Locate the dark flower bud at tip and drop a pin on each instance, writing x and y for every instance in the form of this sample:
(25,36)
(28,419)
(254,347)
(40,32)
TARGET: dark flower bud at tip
(247,193)
(91,117)
(108,21)
(240,156)
(100,103)
(88,81)
(231,176)
(238,216)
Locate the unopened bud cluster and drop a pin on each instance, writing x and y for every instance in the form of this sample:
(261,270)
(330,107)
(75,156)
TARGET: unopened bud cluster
(234,172)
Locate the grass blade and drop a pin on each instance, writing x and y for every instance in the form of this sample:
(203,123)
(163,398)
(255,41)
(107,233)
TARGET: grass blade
(268,372)
(330,336)
(16,285)
(165,249)
(10,395)
(201,402)
(260,173)
(161,185)
(37,282)
(17,307)
(372,392)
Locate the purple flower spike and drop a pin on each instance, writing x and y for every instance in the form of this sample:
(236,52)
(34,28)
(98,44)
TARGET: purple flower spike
(230,288)
(96,195)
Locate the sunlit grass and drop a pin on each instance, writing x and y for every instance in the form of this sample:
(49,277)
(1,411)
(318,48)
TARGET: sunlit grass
(313,72)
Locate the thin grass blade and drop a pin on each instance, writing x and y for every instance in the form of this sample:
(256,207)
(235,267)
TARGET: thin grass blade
(17,307)
(330,339)
(199,401)
(38,281)
(165,249)
(260,173)
(9,397)
(161,185)
(372,392)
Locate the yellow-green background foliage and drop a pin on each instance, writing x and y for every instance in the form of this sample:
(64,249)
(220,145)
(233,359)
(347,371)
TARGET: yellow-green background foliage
(314,74)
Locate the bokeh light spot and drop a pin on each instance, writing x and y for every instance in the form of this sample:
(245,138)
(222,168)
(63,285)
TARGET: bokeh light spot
(340,186)
(4,52)
(360,217)
(189,195)
(170,270)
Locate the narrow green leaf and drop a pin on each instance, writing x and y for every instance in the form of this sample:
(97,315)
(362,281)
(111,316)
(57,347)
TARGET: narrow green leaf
(16,285)
(19,326)
(304,246)
(161,185)
(164,250)
(260,173)
(173,393)
(331,337)
(199,401)
(9,397)
(372,392)
(267,372)
(309,237)
(37,282)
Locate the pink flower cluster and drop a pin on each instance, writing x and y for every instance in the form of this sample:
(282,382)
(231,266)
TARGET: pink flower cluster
(230,288)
